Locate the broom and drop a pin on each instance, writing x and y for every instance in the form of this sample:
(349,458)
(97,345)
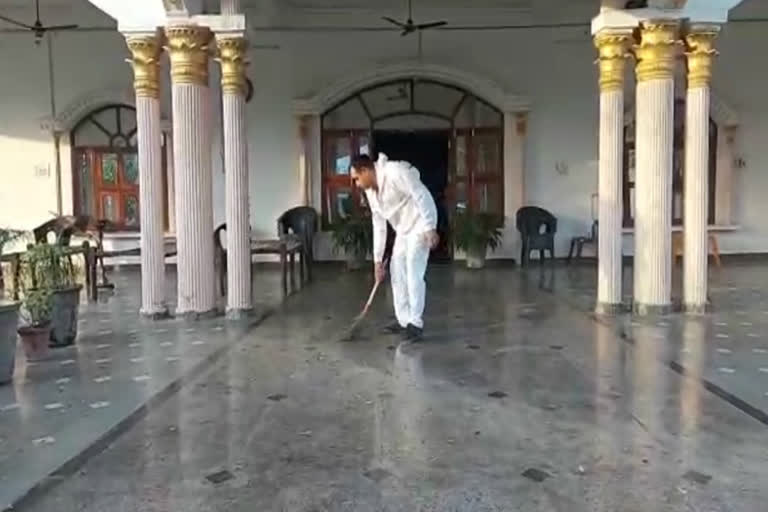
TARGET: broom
(353,329)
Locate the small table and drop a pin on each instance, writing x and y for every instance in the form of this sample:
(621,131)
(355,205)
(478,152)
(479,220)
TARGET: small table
(287,248)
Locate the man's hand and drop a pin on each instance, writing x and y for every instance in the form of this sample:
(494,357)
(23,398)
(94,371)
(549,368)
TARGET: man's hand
(433,239)
(379,271)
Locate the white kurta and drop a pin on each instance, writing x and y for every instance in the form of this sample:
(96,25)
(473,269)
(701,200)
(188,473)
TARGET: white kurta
(404,202)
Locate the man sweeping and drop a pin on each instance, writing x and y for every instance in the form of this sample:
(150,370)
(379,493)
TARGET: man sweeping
(396,195)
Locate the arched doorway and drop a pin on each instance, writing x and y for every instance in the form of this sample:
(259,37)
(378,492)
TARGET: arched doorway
(105,166)
(452,136)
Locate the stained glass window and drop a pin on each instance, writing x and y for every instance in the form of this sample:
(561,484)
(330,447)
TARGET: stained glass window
(109,169)
(106,165)
(131,161)
(109,207)
(132,211)
(84,175)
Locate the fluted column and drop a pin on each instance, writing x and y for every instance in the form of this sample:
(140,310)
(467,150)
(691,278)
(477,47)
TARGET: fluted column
(656,55)
(700,41)
(613,50)
(145,59)
(232,56)
(230,7)
(188,47)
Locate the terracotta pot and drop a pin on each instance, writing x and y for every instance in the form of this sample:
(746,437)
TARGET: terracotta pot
(34,341)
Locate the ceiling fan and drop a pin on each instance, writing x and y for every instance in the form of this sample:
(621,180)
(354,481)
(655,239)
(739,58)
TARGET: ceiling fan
(38,28)
(409,26)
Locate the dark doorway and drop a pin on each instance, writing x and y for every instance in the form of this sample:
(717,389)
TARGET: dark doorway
(428,152)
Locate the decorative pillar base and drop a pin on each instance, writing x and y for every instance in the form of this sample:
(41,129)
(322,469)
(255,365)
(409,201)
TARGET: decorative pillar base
(651,309)
(237,314)
(696,309)
(609,309)
(156,315)
(192,316)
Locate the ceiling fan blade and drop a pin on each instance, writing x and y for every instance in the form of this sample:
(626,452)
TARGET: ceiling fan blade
(394,22)
(433,24)
(61,27)
(17,23)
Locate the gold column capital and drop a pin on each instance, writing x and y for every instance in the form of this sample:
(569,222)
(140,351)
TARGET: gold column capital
(233,60)
(188,48)
(613,52)
(657,50)
(700,42)
(145,60)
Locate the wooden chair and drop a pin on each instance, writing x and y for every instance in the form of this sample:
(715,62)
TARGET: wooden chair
(678,247)
(578,242)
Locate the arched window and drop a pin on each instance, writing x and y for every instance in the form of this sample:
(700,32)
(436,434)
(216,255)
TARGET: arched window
(678,171)
(453,137)
(105,166)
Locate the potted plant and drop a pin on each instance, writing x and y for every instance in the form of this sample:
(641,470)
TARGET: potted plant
(49,267)
(35,334)
(7,236)
(354,235)
(476,232)
(9,319)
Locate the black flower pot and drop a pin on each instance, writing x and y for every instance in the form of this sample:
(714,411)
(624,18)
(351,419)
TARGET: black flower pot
(65,305)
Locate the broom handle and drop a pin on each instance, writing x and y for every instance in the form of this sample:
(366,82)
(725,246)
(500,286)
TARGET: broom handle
(371,296)
(373,291)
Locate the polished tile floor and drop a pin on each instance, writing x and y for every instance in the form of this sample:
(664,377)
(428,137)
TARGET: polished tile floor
(517,400)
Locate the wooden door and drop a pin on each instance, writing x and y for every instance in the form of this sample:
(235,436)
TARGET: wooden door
(340,196)
(476,172)
(117,187)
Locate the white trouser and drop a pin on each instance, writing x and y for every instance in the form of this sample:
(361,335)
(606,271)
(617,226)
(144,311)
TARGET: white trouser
(409,262)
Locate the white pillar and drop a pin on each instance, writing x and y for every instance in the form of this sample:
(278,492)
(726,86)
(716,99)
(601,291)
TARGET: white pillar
(653,181)
(232,56)
(188,49)
(700,40)
(613,50)
(515,132)
(305,192)
(145,59)
(230,7)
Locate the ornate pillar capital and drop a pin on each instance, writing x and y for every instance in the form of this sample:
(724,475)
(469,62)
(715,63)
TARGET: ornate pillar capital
(700,42)
(613,50)
(233,60)
(145,60)
(657,50)
(188,48)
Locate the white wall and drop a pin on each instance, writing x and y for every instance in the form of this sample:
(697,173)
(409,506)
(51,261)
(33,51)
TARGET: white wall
(553,68)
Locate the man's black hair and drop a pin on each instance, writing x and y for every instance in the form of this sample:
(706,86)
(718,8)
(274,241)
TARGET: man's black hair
(361,162)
